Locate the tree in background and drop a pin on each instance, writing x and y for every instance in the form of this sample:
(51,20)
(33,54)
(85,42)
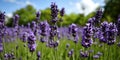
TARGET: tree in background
(26,14)
(112,10)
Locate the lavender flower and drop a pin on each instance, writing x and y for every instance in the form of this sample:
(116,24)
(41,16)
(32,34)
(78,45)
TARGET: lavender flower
(54,13)
(44,26)
(42,39)
(102,33)
(32,42)
(24,37)
(98,16)
(91,21)
(33,25)
(53,32)
(38,55)
(62,12)
(84,54)
(2,20)
(99,53)
(2,16)
(67,46)
(28,25)
(1,45)
(118,25)
(32,47)
(118,44)
(15,20)
(73,31)
(38,16)
(6,56)
(111,34)
(70,53)
(9,56)
(96,56)
(87,36)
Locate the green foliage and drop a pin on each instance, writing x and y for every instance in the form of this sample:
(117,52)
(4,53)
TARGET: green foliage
(109,52)
(45,14)
(27,14)
(112,10)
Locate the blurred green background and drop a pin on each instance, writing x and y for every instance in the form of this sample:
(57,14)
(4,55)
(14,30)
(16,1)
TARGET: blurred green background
(27,14)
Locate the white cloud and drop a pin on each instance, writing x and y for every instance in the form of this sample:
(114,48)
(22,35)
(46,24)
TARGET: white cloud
(86,6)
(28,2)
(9,14)
(10,0)
(15,2)
(23,3)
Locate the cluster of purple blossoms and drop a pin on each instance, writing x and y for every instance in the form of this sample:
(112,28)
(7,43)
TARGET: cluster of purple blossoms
(54,34)
(91,21)
(108,33)
(96,19)
(54,13)
(87,36)
(9,56)
(38,55)
(2,29)
(67,45)
(62,12)
(38,16)
(111,33)
(53,44)
(44,29)
(73,29)
(31,42)
(15,20)
(24,37)
(84,54)
(70,53)
(1,45)
(98,16)
(118,25)
(28,25)
(102,33)
(2,20)
(33,26)
(16,24)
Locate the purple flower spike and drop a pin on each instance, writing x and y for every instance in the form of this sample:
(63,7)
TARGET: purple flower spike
(32,47)
(84,54)
(73,31)
(87,36)
(32,42)
(15,20)
(111,34)
(38,55)
(70,53)
(96,56)
(62,12)
(54,13)
(1,47)
(38,16)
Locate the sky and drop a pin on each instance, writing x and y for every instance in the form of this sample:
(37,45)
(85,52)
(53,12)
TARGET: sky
(71,6)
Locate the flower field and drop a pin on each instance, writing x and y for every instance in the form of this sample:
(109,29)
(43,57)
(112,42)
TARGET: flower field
(43,40)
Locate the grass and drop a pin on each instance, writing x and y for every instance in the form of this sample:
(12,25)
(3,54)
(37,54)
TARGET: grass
(109,52)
